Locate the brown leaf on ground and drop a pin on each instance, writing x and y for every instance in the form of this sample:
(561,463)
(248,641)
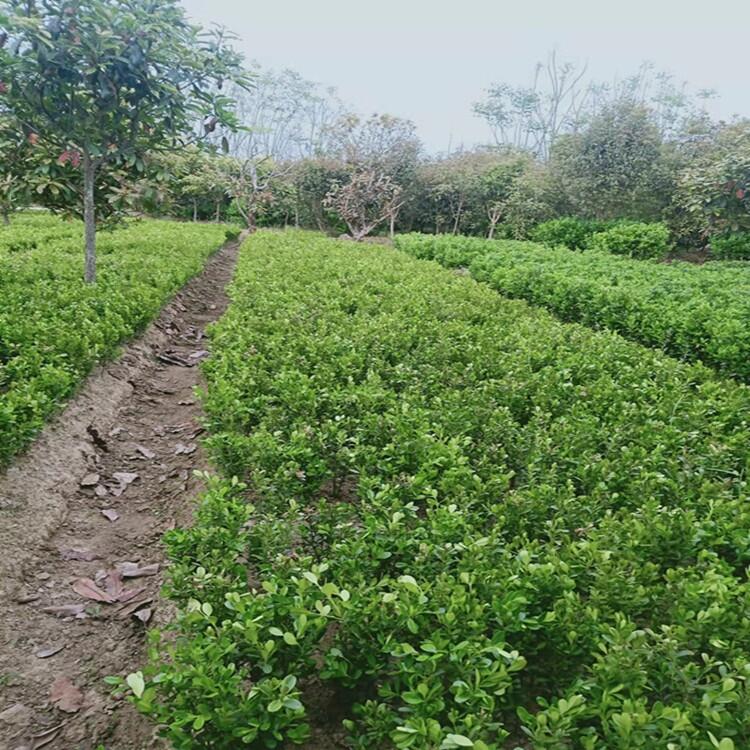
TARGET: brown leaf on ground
(27,598)
(46,651)
(145,452)
(182,449)
(128,609)
(65,695)
(90,480)
(110,514)
(114,585)
(87,588)
(128,594)
(125,477)
(134,570)
(68,610)
(78,553)
(144,615)
(101,491)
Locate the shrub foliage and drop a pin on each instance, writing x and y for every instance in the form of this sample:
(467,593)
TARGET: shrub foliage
(54,328)
(692,312)
(470,523)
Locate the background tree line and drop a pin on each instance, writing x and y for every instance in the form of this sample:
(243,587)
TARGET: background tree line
(641,149)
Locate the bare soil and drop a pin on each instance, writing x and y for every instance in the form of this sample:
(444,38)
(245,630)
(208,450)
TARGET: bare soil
(81,518)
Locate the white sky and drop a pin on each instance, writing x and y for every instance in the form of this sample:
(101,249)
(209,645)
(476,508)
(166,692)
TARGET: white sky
(428,60)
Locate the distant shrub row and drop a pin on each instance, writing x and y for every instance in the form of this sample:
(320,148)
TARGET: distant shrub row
(693,312)
(632,238)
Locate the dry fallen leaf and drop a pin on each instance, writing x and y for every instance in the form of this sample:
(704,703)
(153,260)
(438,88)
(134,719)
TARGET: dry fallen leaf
(90,480)
(78,553)
(65,695)
(125,477)
(145,452)
(130,608)
(144,615)
(128,594)
(87,588)
(114,585)
(47,651)
(110,513)
(180,448)
(134,570)
(68,610)
(101,491)
(27,598)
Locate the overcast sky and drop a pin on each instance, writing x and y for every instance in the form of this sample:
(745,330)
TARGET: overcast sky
(428,60)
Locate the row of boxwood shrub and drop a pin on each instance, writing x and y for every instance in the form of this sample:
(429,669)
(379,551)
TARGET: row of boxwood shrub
(470,524)
(731,247)
(632,238)
(693,312)
(54,328)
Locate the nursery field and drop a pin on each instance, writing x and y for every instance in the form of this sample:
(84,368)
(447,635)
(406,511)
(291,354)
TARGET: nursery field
(692,312)
(458,522)
(54,328)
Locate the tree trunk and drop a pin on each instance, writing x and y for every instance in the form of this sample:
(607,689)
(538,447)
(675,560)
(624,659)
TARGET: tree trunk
(393,227)
(89,218)
(492,230)
(6,217)
(195,209)
(218,211)
(458,216)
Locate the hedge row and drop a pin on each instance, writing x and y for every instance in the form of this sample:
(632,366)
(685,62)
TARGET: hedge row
(691,312)
(470,524)
(54,328)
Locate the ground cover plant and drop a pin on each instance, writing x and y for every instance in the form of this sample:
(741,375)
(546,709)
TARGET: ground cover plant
(692,312)
(471,525)
(54,328)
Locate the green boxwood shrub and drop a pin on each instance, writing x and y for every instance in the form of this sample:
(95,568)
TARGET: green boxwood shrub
(634,239)
(469,523)
(731,247)
(572,232)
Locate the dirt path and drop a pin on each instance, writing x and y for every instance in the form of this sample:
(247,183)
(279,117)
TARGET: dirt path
(81,516)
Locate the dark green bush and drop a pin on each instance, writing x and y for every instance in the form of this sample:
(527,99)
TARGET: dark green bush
(569,231)
(731,247)
(634,239)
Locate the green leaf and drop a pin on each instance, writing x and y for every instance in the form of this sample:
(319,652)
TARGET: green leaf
(459,740)
(136,683)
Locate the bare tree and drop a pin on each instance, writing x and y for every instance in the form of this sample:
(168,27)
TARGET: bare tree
(532,117)
(283,117)
(383,143)
(494,214)
(249,184)
(365,201)
(560,101)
